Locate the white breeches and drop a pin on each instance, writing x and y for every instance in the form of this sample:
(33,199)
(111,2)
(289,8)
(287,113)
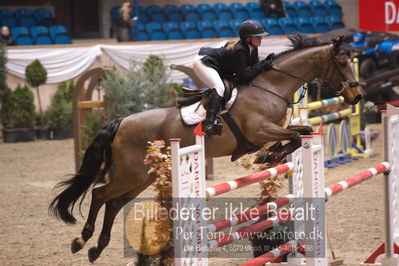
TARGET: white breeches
(208,75)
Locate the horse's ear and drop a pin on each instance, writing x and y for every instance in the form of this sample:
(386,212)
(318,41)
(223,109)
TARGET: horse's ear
(337,42)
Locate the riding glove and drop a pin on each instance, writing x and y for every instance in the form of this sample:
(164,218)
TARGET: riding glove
(265,65)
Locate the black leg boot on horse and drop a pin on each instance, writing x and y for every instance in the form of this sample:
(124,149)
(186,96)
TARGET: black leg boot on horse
(212,124)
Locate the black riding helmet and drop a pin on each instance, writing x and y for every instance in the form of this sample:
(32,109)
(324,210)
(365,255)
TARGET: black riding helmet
(251,28)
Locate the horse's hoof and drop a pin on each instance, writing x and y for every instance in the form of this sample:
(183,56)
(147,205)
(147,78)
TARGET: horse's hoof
(76,246)
(262,158)
(93,254)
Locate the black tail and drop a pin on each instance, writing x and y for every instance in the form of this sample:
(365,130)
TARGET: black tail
(90,172)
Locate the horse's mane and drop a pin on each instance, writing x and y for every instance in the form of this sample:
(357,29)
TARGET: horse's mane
(301,41)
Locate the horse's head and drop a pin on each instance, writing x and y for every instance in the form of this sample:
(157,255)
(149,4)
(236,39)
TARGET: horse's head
(340,74)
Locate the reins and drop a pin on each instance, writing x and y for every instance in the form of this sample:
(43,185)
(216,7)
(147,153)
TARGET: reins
(346,84)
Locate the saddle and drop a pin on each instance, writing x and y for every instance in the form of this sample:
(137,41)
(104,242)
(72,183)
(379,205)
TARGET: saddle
(191,96)
(193,111)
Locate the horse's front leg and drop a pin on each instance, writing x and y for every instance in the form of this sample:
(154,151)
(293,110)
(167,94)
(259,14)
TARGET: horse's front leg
(268,132)
(303,130)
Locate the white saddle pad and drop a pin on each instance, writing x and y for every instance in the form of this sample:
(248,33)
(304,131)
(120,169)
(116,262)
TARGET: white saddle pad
(195,113)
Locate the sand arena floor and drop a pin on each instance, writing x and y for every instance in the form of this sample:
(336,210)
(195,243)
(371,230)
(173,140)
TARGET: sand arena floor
(29,171)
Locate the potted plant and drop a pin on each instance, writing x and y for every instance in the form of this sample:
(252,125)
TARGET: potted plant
(36,75)
(3,71)
(18,115)
(59,115)
(370,112)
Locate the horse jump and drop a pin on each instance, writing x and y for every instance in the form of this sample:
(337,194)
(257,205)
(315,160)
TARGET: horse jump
(306,162)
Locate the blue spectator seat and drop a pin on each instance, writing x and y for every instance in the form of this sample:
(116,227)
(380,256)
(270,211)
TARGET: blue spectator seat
(19,31)
(207,29)
(155,13)
(239,11)
(158,17)
(24,40)
(155,31)
(254,10)
(62,38)
(28,22)
(22,12)
(333,8)
(223,28)
(142,18)
(57,30)
(223,11)
(304,25)
(140,11)
(189,12)
(288,25)
(47,22)
(6,13)
(318,9)
(290,9)
(115,12)
(234,25)
(41,13)
(44,40)
(139,33)
(152,9)
(38,31)
(272,27)
(335,22)
(173,31)
(302,9)
(190,30)
(320,24)
(9,22)
(172,13)
(206,12)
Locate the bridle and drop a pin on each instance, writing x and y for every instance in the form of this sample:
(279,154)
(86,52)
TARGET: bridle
(344,84)
(324,84)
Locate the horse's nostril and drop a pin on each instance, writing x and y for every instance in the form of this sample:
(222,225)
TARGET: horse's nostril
(358,97)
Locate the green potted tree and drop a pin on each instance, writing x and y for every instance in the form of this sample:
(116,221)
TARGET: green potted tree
(18,115)
(59,115)
(3,71)
(36,75)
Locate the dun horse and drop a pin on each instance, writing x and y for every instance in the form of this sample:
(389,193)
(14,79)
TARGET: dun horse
(259,112)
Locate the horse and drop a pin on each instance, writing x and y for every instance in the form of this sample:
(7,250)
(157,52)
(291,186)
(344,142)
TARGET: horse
(259,111)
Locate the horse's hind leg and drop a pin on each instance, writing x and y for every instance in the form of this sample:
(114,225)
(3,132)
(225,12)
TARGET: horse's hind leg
(112,208)
(100,195)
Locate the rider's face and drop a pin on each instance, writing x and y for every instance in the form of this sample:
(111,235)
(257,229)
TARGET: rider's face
(255,40)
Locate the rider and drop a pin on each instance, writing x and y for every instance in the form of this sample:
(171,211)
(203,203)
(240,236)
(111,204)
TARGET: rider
(236,61)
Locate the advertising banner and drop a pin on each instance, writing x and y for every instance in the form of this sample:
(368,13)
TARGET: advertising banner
(380,15)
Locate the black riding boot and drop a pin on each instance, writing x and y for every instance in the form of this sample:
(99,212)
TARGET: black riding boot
(214,104)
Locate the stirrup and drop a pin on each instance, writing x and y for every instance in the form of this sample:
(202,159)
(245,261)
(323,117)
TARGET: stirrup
(215,129)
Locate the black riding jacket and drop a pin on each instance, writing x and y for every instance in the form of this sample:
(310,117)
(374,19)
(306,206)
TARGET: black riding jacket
(236,65)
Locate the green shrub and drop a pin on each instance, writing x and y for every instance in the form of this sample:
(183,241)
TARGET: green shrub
(35,74)
(18,108)
(65,91)
(59,113)
(151,80)
(93,123)
(3,71)
(121,100)
(146,87)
